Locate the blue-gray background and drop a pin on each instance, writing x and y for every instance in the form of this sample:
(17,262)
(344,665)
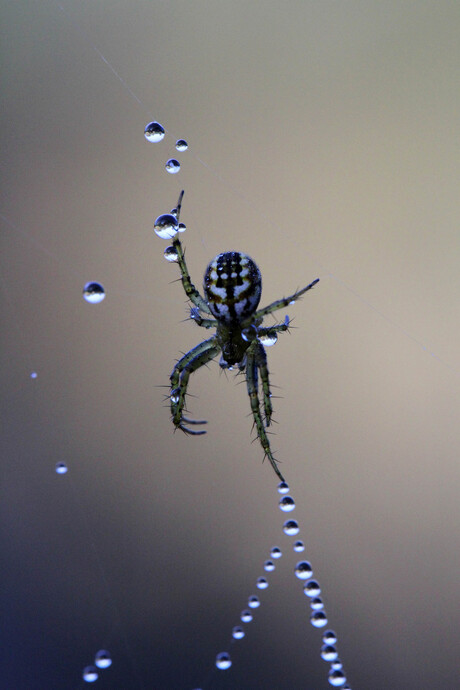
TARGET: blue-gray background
(323,142)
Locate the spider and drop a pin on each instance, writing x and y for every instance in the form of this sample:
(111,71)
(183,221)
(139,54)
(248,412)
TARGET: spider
(232,288)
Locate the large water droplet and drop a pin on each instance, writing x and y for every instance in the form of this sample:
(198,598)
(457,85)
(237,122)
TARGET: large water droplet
(303,570)
(238,632)
(318,619)
(276,552)
(166,226)
(246,616)
(299,546)
(329,637)
(283,487)
(90,674)
(253,602)
(223,661)
(61,468)
(337,679)
(103,659)
(312,589)
(172,166)
(329,652)
(154,132)
(269,566)
(93,292)
(171,254)
(268,339)
(287,504)
(291,528)
(261,583)
(181,145)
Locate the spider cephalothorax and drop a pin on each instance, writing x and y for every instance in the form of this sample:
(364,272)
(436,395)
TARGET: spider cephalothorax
(232,287)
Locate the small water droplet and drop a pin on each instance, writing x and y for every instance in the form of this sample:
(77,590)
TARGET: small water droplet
(172,166)
(238,632)
(329,637)
(182,227)
(223,661)
(291,528)
(329,652)
(299,546)
(253,602)
(317,604)
(337,679)
(61,468)
(261,583)
(175,396)
(318,619)
(181,145)
(249,334)
(90,674)
(33,375)
(154,132)
(166,226)
(303,570)
(312,589)
(103,659)
(93,292)
(246,616)
(269,566)
(276,552)
(171,254)
(337,665)
(287,504)
(283,488)
(268,339)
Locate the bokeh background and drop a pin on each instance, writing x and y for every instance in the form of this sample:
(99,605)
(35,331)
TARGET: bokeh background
(323,141)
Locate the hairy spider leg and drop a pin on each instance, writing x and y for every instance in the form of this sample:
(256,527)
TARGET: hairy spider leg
(193,360)
(256,359)
(262,364)
(280,303)
(205,323)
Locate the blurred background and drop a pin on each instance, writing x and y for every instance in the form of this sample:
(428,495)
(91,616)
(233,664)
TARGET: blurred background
(323,141)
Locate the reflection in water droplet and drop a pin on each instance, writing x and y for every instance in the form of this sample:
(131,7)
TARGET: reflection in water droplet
(90,674)
(61,467)
(299,546)
(103,659)
(268,339)
(238,632)
(171,254)
(337,679)
(269,566)
(329,652)
(283,487)
(303,570)
(172,166)
(329,637)
(287,504)
(246,616)
(312,589)
(276,552)
(291,528)
(175,396)
(223,661)
(166,226)
(318,619)
(93,293)
(253,602)
(181,145)
(261,583)
(154,132)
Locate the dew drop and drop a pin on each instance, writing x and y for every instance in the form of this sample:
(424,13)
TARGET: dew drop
(103,659)
(223,661)
(61,468)
(318,619)
(283,488)
(181,145)
(261,583)
(238,632)
(90,674)
(166,226)
(33,375)
(172,166)
(253,602)
(287,504)
(268,339)
(175,396)
(269,566)
(337,679)
(182,227)
(93,293)
(246,616)
(291,528)
(317,604)
(329,652)
(154,132)
(337,665)
(329,637)
(299,546)
(276,552)
(312,589)
(303,570)
(171,254)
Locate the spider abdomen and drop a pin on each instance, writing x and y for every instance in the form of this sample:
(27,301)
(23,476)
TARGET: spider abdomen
(232,285)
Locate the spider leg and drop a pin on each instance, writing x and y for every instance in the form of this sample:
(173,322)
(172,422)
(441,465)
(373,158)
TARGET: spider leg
(276,328)
(280,303)
(261,357)
(205,323)
(190,362)
(255,359)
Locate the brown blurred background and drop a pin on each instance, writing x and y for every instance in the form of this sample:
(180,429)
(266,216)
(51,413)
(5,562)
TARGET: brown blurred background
(324,143)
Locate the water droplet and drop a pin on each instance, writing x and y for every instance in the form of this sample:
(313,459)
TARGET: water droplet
(93,293)
(317,604)
(283,488)
(182,227)
(312,589)
(303,570)
(154,132)
(329,637)
(33,375)
(253,602)
(337,665)
(299,546)
(246,616)
(223,661)
(291,528)
(172,166)
(171,254)
(249,334)
(90,674)
(238,632)
(181,145)
(287,504)
(337,679)
(103,659)
(166,226)
(175,396)
(261,583)
(269,566)
(268,339)
(61,467)
(329,652)
(318,619)
(276,552)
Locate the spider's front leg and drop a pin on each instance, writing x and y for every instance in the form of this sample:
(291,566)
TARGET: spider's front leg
(284,302)
(193,360)
(256,359)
